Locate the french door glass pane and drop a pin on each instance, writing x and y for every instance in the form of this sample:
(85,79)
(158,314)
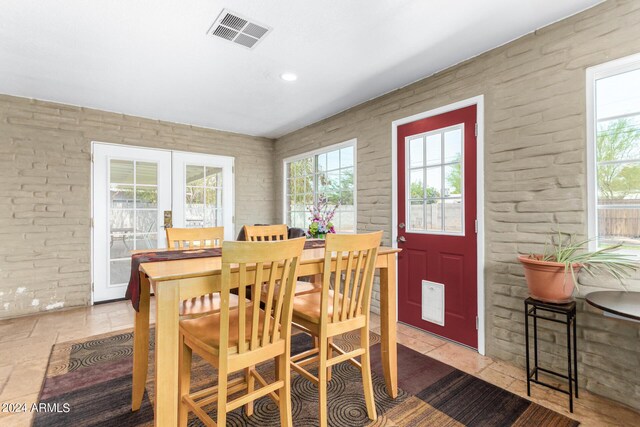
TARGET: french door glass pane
(121,172)
(146,173)
(122,196)
(121,221)
(119,271)
(147,197)
(133,213)
(146,221)
(203,196)
(147,241)
(120,244)
(195,175)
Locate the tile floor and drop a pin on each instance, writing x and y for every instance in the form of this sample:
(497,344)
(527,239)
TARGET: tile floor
(25,344)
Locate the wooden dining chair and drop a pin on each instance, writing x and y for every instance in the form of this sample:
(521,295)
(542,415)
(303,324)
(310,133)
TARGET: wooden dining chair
(259,233)
(198,238)
(239,338)
(194,238)
(349,266)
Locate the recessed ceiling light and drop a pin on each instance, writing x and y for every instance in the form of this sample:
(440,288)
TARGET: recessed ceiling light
(288,77)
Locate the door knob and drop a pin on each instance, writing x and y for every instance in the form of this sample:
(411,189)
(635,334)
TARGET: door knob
(401,239)
(401,225)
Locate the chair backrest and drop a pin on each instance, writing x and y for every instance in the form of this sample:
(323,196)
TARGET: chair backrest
(181,238)
(352,278)
(263,233)
(259,264)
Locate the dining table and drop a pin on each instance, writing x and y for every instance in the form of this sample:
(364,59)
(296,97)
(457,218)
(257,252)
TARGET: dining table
(173,281)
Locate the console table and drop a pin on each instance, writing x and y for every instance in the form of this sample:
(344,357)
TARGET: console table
(620,303)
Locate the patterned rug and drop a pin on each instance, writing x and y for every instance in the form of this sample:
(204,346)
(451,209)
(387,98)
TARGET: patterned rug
(93,377)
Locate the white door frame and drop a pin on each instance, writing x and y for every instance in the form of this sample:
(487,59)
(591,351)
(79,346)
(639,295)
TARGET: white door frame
(479,102)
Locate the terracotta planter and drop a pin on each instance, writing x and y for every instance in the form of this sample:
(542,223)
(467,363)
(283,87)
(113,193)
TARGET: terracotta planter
(547,281)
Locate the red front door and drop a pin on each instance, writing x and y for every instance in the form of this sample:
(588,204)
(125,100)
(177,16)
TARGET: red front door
(437,268)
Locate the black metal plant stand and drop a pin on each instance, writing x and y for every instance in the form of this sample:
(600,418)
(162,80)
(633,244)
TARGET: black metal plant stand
(568,310)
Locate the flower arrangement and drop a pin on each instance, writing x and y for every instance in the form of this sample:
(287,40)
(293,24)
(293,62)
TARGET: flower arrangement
(321,215)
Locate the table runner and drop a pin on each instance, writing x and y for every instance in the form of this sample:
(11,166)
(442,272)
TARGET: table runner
(133,289)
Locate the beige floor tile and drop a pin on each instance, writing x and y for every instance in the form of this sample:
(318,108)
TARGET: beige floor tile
(5,373)
(463,358)
(26,378)
(495,377)
(425,337)
(507,368)
(19,328)
(26,349)
(415,343)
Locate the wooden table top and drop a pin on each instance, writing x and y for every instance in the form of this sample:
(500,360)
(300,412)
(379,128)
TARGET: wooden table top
(195,267)
(621,303)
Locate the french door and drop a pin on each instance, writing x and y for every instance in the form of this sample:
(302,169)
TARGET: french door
(134,188)
(437,268)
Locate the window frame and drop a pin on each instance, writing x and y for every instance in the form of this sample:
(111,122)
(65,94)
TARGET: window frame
(408,170)
(313,153)
(593,74)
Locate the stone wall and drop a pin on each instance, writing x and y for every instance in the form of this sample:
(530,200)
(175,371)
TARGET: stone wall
(535,177)
(45,204)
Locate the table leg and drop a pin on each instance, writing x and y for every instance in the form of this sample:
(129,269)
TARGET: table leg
(140,345)
(388,325)
(167,318)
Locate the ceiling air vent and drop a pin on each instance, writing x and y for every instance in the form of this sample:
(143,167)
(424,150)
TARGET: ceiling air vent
(237,29)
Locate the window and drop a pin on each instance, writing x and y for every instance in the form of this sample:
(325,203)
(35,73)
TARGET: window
(434,181)
(324,175)
(614,153)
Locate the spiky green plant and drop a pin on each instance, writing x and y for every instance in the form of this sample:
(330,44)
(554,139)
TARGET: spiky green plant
(563,248)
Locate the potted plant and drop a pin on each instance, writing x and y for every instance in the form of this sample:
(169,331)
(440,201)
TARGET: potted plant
(552,275)
(321,216)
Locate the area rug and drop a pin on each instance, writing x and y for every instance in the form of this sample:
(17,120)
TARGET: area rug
(91,379)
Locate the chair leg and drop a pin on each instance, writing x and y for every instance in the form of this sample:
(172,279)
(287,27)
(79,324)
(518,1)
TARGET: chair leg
(251,381)
(184,381)
(322,382)
(367,381)
(284,374)
(222,394)
(329,356)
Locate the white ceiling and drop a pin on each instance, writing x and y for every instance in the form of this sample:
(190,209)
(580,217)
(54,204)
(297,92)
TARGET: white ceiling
(153,58)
